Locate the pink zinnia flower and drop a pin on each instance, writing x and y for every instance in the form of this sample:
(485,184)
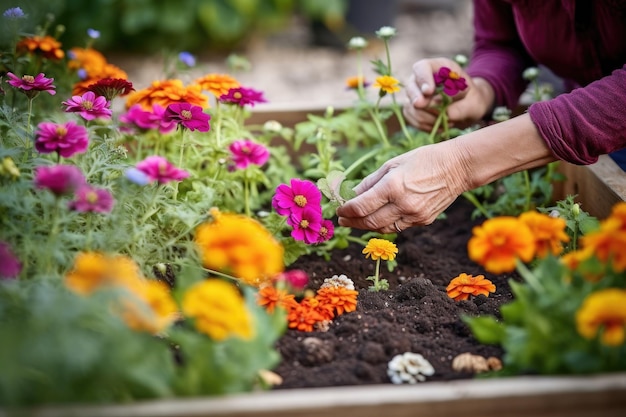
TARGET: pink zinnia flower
(451,81)
(327,231)
(89,106)
(65,139)
(31,86)
(145,120)
(10,265)
(243,96)
(188,115)
(296,198)
(159,169)
(295,278)
(306,225)
(245,152)
(92,199)
(59,179)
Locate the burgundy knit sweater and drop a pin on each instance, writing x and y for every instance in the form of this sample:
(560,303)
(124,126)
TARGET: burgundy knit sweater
(582,41)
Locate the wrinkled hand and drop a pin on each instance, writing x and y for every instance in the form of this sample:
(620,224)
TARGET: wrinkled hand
(411,189)
(467,107)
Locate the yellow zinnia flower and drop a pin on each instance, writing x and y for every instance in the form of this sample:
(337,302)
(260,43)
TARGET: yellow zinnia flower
(387,83)
(217,84)
(153,309)
(240,246)
(498,242)
(218,309)
(380,249)
(605,311)
(549,232)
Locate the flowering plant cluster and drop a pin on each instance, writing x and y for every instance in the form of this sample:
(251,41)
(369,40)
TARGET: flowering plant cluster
(568,315)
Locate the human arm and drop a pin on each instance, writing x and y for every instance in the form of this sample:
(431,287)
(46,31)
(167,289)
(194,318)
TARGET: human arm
(414,188)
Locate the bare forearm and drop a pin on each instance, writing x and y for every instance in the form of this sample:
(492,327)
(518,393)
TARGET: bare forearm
(501,149)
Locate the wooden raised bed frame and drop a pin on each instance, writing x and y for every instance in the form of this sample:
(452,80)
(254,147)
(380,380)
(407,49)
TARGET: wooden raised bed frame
(598,187)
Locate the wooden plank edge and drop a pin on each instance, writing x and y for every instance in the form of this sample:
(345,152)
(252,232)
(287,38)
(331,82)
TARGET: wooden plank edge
(571,396)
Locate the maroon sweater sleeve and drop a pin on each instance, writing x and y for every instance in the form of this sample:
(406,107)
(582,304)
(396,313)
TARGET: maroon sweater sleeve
(498,55)
(586,123)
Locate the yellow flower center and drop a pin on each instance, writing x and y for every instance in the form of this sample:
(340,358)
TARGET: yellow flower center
(323,231)
(92,197)
(304,224)
(28,78)
(300,200)
(61,131)
(237,95)
(87,105)
(186,114)
(454,75)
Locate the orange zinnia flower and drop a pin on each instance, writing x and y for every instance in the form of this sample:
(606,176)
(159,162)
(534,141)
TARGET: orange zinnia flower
(271,297)
(167,92)
(217,84)
(353,82)
(95,66)
(303,317)
(549,232)
(340,298)
(461,287)
(499,242)
(46,46)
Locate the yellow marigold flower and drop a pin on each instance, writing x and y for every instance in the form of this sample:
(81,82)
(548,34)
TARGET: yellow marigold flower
(240,246)
(461,287)
(218,309)
(603,311)
(549,232)
(46,46)
(380,249)
(271,297)
(498,242)
(153,309)
(341,299)
(167,92)
(217,84)
(93,270)
(387,83)
(608,243)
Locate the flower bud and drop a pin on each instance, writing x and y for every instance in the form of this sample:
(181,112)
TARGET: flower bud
(386,32)
(531,73)
(357,42)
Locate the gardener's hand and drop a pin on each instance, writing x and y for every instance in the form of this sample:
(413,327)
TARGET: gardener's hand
(408,190)
(468,106)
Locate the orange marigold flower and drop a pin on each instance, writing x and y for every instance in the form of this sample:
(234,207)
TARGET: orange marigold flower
(387,83)
(46,46)
(380,249)
(94,270)
(341,299)
(353,82)
(609,242)
(240,246)
(498,242)
(217,84)
(167,92)
(461,287)
(95,68)
(303,317)
(603,312)
(271,297)
(549,232)
(153,309)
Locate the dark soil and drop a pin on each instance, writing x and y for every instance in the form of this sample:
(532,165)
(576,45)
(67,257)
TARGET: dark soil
(414,315)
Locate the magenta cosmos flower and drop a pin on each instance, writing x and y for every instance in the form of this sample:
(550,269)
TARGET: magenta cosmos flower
(295,278)
(159,169)
(245,152)
(65,139)
(10,265)
(243,96)
(92,199)
(136,116)
(59,179)
(326,232)
(306,225)
(451,82)
(300,195)
(31,86)
(89,106)
(188,115)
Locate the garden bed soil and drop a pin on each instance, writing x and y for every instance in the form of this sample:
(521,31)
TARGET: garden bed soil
(414,315)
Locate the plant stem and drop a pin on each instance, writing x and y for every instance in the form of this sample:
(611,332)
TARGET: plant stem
(221,274)
(472,198)
(359,161)
(528,190)
(246,194)
(433,132)
(529,277)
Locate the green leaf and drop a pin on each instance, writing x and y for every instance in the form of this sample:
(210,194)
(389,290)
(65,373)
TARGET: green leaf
(486,329)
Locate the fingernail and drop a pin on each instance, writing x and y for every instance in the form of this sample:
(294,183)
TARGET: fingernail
(424,87)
